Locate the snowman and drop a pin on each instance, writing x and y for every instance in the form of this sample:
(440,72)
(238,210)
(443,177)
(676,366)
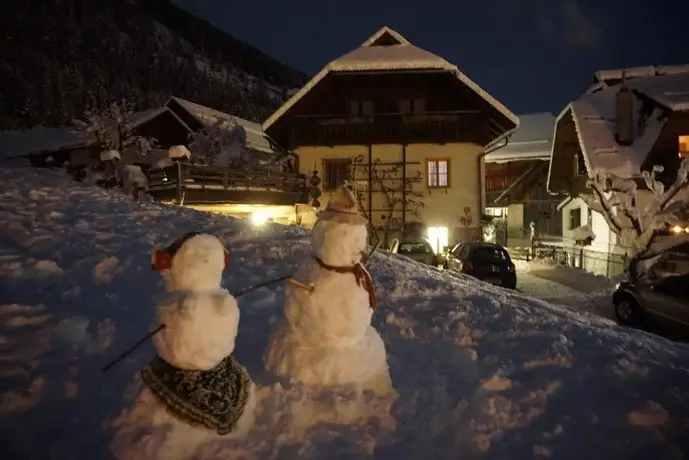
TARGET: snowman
(192,392)
(327,338)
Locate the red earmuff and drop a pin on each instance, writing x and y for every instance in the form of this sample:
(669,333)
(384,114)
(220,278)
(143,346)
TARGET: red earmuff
(161,260)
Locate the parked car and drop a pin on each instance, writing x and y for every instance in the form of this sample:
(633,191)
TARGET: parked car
(419,250)
(488,262)
(665,300)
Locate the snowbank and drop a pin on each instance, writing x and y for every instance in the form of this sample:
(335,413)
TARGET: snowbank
(481,372)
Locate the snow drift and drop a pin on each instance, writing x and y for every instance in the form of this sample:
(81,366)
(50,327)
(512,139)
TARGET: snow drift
(481,372)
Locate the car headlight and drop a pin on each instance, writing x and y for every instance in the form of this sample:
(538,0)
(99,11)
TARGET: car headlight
(617,286)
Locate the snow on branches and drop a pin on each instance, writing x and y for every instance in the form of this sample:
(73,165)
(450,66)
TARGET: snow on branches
(112,130)
(221,143)
(386,180)
(617,200)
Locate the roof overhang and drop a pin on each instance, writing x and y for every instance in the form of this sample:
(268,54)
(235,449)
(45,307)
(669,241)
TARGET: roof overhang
(372,65)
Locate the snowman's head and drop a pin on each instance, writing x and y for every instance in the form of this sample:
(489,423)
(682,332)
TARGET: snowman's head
(339,236)
(339,244)
(194,262)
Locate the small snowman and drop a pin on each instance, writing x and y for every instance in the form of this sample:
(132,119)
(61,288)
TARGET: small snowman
(193,391)
(327,338)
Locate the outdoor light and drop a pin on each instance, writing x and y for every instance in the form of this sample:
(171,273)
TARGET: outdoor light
(677,229)
(258,218)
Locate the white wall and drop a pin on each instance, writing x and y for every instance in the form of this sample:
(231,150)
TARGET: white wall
(605,239)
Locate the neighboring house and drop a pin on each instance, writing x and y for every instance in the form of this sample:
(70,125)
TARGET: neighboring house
(516,176)
(608,130)
(402,112)
(172,124)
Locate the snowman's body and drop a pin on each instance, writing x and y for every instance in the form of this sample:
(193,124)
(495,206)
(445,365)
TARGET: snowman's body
(201,321)
(327,337)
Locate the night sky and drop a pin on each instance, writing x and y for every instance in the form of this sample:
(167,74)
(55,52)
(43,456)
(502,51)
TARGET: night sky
(532,55)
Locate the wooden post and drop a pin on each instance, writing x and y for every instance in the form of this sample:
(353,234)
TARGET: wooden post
(179,182)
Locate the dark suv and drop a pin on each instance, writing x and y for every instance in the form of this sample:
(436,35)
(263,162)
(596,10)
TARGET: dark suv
(665,300)
(486,261)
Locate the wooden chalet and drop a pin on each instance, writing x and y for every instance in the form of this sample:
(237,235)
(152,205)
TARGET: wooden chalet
(516,176)
(406,127)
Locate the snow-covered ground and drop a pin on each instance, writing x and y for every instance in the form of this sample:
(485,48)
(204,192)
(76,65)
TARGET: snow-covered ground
(481,372)
(573,287)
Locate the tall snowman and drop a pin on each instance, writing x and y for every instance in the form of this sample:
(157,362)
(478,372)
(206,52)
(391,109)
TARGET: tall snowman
(327,338)
(193,391)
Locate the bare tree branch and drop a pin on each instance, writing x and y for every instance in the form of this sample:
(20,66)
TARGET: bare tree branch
(396,191)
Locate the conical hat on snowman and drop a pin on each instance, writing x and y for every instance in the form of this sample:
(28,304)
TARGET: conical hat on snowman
(342,208)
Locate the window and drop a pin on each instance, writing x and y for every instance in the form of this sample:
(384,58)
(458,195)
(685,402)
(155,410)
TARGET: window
(408,106)
(579,164)
(438,173)
(422,247)
(361,108)
(574,218)
(404,106)
(684,146)
(335,172)
(419,105)
(367,108)
(354,108)
(488,254)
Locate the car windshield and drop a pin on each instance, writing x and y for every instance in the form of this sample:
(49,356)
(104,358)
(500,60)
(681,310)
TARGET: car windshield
(414,248)
(489,254)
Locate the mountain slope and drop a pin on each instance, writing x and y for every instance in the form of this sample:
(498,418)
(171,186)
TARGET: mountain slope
(60,57)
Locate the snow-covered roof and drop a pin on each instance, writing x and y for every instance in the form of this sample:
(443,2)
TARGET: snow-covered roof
(594,116)
(38,140)
(398,56)
(256,138)
(44,140)
(532,140)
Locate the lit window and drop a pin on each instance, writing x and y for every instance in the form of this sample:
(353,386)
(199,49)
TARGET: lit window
(438,237)
(438,173)
(684,146)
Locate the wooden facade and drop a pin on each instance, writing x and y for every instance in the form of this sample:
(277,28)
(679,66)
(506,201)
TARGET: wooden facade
(349,108)
(666,150)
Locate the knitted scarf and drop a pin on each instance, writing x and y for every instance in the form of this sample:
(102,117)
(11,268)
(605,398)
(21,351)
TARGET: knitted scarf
(362,276)
(214,399)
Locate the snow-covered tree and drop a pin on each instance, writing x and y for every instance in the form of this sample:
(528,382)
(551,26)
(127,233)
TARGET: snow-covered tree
(221,143)
(640,229)
(111,129)
(386,180)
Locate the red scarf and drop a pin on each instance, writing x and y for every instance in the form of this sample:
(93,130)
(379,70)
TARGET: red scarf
(362,276)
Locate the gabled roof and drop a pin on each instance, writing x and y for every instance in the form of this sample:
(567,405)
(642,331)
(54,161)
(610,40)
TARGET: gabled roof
(594,116)
(46,140)
(395,54)
(532,140)
(256,139)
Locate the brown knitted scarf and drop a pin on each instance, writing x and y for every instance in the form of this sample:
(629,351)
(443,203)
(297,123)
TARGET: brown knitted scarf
(362,276)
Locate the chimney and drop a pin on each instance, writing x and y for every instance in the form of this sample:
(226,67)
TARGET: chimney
(624,108)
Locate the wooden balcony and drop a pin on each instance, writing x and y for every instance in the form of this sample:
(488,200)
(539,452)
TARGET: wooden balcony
(198,184)
(393,128)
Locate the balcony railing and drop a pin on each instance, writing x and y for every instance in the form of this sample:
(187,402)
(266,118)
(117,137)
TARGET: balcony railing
(435,127)
(219,184)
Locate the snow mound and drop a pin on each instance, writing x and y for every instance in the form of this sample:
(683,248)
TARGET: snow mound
(481,372)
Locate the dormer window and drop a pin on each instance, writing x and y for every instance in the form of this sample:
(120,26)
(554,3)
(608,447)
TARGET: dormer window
(579,164)
(683,142)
